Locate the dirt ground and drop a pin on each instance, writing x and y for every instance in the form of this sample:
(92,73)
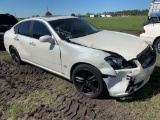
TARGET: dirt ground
(17,81)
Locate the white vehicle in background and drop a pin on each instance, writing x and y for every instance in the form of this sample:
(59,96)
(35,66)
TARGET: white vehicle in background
(151,35)
(93,59)
(154,11)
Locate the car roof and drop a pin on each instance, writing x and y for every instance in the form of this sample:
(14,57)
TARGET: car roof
(51,18)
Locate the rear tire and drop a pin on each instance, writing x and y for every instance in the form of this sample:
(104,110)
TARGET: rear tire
(157,45)
(88,81)
(15,56)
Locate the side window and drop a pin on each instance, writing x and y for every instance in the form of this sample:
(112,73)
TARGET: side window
(39,29)
(16,28)
(24,28)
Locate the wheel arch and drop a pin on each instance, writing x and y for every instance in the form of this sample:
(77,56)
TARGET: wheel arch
(76,64)
(11,47)
(103,67)
(155,40)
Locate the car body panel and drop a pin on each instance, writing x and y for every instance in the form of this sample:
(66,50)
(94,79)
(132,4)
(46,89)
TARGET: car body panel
(154,15)
(45,54)
(22,44)
(116,42)
(72,54)
(151,33)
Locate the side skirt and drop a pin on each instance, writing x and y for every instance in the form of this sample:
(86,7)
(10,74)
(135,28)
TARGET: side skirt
(49,70)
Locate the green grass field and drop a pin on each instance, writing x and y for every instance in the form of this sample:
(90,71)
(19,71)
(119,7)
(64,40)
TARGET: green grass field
(119,23)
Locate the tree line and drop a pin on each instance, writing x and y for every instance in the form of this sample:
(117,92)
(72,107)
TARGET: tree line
(129,13)
(119,13)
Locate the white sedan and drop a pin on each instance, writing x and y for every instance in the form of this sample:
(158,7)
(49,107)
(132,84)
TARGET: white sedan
(97,61)
(151,35)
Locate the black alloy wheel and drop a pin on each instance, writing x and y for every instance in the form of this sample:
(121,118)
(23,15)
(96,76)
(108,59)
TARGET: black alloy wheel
(157,45)
(88,81)
(15,56)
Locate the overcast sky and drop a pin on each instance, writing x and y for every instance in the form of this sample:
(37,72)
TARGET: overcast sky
(27,8)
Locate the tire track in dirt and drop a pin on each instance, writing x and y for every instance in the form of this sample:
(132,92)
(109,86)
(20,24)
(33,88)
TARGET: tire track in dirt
(71,106)
(16,81)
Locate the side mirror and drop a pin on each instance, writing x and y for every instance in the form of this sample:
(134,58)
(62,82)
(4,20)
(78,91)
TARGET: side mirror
(47,38)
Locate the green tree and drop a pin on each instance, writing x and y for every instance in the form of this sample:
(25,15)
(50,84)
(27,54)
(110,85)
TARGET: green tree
(105,13)
(73,14)
(88,14)
(48,13)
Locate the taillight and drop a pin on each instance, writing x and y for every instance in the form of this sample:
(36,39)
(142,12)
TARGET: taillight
(143,31)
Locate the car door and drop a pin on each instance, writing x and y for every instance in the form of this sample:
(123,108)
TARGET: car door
(44,53)
(22,39)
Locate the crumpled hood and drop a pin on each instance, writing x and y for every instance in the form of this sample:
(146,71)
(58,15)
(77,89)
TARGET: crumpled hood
(126,45)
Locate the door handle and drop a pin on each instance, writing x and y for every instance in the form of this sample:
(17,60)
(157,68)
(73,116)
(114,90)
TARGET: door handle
(16,39)
(33,44)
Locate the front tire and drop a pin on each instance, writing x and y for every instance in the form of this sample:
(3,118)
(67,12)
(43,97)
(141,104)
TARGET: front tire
(88,81)
(153,20)
(15,56)
(157,45)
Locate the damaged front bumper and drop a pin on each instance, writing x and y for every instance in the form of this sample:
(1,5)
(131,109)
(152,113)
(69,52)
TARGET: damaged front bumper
(127,81)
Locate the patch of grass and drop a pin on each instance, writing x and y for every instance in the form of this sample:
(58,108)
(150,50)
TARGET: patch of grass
(4,56)
(119,23)
(15,109)
(36,98)
(32,100)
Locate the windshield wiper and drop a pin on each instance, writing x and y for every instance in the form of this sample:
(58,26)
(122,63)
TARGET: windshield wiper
(91,33)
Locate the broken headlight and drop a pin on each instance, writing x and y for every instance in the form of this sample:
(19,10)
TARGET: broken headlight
(118,62)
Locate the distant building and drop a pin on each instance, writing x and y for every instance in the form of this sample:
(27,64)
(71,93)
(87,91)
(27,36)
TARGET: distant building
(108,16)
(92,16)
(105,15)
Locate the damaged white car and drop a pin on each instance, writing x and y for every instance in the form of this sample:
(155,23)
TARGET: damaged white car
(93,59)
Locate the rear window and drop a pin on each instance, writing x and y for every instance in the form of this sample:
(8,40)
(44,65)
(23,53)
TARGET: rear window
(23,28)
(16,29)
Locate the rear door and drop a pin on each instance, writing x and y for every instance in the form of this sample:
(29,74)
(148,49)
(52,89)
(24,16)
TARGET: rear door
(22,39)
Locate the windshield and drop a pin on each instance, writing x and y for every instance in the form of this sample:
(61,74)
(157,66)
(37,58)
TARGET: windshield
(72,28)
